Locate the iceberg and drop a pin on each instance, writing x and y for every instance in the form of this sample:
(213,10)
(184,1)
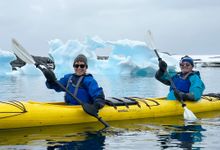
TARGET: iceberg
(5,58)
(125,57)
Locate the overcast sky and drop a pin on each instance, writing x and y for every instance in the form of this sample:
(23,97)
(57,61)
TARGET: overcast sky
(178,26)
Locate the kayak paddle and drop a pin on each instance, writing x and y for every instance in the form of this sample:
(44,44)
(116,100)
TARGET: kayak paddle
(26,57)
(188,114)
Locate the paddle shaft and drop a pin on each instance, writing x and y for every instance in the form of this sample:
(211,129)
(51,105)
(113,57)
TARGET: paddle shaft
(78,100)
(170,79)
(26,57)
(159,59)
(188,115)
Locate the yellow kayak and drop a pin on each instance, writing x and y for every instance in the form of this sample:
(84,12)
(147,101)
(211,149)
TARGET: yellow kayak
(18,114)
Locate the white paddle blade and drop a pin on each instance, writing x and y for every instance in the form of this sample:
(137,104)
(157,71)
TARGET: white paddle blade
(188,115)
(21,52)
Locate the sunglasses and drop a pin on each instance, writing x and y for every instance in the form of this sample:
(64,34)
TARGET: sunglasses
(185,64)
(77,66)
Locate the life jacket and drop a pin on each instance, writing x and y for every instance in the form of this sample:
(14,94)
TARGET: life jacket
(183,84)
(75,86)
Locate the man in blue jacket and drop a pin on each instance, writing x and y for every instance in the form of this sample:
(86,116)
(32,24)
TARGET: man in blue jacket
(188,82)
(82,85)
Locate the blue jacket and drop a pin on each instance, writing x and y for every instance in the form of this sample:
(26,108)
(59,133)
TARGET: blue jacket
(193,84)
(88,90)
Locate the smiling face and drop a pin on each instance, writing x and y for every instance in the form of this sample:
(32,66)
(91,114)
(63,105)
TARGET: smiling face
(80,68)
(186,67)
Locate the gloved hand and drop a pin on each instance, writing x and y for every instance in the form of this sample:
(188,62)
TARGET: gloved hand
(90,109)
(179,95)
(183,96)
(99,101)
(162,65)
(49,75)
(99,105)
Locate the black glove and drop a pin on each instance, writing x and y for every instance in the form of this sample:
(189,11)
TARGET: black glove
(183,96)
(99,105)
(90,109)
(99,101)
(179,95)
(49,75)
(162,65)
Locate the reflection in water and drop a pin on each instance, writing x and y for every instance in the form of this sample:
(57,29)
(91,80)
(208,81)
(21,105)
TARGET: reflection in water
(92,141)
(182,136)
(127,134)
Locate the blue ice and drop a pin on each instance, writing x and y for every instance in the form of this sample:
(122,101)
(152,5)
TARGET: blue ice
(126,57)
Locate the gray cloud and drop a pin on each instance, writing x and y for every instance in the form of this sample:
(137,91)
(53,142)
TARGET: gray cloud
(183,27)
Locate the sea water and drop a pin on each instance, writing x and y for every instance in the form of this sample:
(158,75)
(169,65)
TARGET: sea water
(160,133)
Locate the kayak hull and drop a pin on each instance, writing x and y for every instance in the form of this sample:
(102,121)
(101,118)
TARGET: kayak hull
(18,114)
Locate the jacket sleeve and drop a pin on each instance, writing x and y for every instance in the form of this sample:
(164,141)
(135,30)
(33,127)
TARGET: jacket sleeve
(95,92)
(56,87)
(197,87)
(161,76)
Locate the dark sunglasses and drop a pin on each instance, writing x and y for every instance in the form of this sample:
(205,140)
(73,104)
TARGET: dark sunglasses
(77,66)
(185,64)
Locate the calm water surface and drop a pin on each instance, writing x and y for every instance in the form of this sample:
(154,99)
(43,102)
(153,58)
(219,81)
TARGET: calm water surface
(161,133)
